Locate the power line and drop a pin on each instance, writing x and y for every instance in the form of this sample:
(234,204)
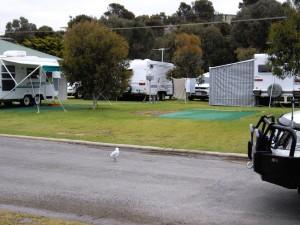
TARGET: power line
(168,26)
(201,23)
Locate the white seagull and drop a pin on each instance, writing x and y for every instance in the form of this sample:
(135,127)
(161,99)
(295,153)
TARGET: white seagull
(115,154)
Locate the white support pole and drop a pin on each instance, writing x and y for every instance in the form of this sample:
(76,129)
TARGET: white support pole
(270,100)
(33,93)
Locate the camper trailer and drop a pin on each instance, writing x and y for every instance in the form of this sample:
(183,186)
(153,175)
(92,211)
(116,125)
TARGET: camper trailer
(267,86)
(28,79)
(149,78)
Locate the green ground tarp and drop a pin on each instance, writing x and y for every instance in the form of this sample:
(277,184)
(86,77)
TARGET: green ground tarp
(207,115)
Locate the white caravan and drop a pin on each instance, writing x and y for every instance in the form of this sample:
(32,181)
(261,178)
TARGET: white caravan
(149,78)
(267,85)
(28,79)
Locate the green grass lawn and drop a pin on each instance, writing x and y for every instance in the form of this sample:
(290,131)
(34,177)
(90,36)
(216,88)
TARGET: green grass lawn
(136,123)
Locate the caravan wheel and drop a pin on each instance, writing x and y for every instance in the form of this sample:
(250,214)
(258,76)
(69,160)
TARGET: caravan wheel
(161,96)
(27,100)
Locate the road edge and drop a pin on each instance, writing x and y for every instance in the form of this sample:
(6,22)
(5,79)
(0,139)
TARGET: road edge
(171,151)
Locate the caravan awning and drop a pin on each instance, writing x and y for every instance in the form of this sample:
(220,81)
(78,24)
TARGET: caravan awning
(47,64)
(51,68)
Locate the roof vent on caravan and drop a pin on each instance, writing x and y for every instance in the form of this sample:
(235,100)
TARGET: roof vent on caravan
(14,53)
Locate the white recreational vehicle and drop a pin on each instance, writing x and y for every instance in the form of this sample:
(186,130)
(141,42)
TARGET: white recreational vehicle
(267,86)
(149,78)
(28,79)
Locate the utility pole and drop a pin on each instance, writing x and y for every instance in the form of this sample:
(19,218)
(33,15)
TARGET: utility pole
(162,52)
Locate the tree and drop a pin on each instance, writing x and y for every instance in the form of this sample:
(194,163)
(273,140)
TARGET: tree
(96,56)
(247,2)
(254,34)
(188,56)
(115,9)
(44,31)
(140,40)
(185,12)
(80,18)
(52,45)
(284,48)
(20,29)
(203,10)
(245,53)
(216,47)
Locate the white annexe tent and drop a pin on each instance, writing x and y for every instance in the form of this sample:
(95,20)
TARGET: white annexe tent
(30,79)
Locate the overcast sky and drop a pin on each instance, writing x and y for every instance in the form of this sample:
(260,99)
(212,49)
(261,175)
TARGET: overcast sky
(56,13)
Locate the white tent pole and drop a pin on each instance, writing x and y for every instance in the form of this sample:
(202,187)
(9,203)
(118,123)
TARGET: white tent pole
(106,99)
(8,71)
(270,100)
(18,84)
(33,93)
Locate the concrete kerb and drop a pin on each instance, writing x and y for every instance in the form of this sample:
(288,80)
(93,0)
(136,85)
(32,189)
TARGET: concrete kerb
(151,149)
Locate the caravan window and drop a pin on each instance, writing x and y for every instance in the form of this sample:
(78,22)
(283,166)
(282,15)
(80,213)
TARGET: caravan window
(264,69)
(36,73)
(5,73)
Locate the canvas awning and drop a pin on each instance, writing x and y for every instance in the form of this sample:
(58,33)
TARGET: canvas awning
(48,64)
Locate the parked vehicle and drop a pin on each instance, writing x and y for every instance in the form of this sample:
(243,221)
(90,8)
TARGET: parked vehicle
(74,89)
(274,150)
(149,78)
(28,79)
(267,85)
(201,89)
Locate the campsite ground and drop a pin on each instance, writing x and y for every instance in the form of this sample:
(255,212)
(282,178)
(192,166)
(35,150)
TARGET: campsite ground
(139,123)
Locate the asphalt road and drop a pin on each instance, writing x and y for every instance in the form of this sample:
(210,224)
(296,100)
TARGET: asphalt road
(140,188)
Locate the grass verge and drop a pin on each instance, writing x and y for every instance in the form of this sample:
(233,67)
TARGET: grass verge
(135,123)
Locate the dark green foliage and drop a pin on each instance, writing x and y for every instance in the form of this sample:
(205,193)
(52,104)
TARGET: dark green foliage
(284,48)
(140,40)
(216,47)
(254,34)
(52,45)
(118,10)
(20,29)
(203,10)
(185,12)
(198,11)
(80,18)
(96,56)
(246,3)
(245,53)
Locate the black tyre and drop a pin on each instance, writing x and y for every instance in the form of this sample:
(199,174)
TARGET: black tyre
(27,100)
(78,95)
(162,96)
